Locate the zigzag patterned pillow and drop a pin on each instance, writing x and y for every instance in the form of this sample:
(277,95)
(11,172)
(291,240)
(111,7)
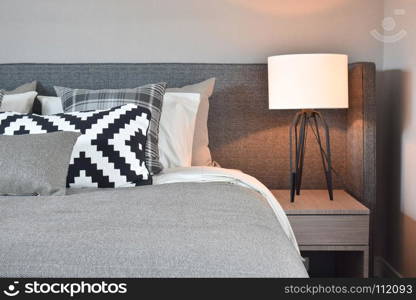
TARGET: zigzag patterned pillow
(110,153)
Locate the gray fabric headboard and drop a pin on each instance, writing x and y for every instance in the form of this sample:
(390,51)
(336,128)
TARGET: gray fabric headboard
(244,133)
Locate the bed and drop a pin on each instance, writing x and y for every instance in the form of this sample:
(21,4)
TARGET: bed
(197,226)
(192,222)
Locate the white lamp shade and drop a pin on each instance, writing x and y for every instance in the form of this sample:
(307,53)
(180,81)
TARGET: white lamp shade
(308,81)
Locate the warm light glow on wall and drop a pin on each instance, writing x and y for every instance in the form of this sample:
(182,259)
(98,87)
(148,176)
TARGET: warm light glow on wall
(290,7)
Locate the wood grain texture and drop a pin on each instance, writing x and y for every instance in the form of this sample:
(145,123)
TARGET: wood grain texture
(330,229)
(333,248)
(341,226)
(316,202)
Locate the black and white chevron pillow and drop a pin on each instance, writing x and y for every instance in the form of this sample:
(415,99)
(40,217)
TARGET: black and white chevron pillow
(110,152)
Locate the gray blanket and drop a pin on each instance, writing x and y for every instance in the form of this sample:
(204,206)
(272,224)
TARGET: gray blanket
(172,230)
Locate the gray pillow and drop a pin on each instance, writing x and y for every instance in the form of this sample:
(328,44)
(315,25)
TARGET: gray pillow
(35,164)
(201,155)
(148,96)
(27,87)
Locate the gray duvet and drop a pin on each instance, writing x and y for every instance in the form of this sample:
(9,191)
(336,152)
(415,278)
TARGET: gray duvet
(171,230)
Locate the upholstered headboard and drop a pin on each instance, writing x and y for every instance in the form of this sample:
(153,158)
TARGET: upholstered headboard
(244,133)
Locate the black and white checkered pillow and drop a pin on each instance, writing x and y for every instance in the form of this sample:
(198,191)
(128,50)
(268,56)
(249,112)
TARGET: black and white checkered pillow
(148,96)
(110,151)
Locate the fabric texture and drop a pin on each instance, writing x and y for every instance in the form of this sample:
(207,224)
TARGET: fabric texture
(35,164)
(21,103)
(230,176)
(110,151)
(24,88)
(169,230)
(1,96)
(201,154)
(177,127)
(50,105)
(148,96)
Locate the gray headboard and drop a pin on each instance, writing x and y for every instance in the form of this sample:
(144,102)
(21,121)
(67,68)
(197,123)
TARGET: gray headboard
(244,134)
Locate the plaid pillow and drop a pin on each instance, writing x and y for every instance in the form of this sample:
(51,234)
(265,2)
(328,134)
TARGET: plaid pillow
(148,96)
(1,96)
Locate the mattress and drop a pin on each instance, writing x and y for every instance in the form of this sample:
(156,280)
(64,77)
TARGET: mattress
(190,223)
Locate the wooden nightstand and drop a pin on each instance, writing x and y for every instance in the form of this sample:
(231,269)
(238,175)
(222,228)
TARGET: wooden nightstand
(333,234)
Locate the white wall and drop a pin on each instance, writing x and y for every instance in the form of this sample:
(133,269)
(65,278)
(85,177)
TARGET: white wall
(230,31)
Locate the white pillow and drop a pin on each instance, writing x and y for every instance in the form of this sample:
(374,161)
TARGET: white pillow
(176,129)
(201,155)
(20,103)
(51,105)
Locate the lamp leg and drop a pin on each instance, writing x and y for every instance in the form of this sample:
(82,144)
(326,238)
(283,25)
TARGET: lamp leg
(293,162)
(302,146)
(326,157)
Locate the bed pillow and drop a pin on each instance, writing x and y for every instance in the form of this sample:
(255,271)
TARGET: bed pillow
(110,151)
(201,155)
(177,126)
(1,96)
(148,96)
(50,105)
(21,103)
(40,171)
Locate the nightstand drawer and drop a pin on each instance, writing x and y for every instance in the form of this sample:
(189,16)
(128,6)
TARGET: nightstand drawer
(330,229)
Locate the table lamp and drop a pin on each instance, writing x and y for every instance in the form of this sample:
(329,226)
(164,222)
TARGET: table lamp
(308,82)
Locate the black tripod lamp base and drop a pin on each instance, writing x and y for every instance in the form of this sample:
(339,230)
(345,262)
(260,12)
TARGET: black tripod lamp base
(304,123)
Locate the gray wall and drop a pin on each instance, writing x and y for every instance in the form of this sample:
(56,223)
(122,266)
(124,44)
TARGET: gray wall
(230,31)
(398,140)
